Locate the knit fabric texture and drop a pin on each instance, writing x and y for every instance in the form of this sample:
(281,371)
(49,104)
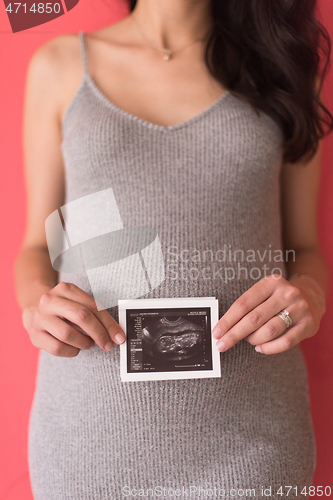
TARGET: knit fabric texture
(210,186)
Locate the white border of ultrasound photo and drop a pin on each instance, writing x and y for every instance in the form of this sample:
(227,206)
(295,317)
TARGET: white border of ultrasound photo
(174,304)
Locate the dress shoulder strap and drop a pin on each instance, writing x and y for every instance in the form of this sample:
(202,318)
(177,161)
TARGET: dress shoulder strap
(83,52)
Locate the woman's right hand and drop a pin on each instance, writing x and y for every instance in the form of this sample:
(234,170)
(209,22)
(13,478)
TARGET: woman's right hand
(62,314)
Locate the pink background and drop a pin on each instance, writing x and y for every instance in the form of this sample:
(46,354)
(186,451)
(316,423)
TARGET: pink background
(18,358)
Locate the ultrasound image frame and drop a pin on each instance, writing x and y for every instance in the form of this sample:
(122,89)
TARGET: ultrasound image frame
(168,339)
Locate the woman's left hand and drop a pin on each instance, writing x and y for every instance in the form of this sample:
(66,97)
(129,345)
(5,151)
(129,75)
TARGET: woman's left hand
(253,315)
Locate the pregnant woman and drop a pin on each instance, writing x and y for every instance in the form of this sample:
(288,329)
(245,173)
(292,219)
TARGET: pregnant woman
(205,119)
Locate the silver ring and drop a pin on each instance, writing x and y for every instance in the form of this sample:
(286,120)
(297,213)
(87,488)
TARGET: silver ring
(286,318)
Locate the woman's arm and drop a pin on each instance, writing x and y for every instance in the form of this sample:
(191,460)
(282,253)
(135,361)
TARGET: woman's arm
(53,314)
(300,188)
(44,174)
(253,314)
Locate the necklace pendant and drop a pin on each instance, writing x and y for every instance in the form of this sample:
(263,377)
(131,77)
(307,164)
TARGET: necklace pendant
(167,56)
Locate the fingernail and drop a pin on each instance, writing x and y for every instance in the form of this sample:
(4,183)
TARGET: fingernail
(258,348)
(120,338)
(217,333)
(108,346)
(221,346)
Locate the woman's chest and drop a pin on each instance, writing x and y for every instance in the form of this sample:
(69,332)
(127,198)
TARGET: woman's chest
(229,157)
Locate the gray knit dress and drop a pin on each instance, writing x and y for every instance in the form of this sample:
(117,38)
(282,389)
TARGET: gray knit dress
(209,183)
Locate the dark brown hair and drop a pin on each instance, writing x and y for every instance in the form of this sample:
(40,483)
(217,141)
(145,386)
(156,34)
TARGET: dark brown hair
(275,54)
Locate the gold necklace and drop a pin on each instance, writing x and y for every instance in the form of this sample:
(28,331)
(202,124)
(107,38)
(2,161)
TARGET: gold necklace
(167,52)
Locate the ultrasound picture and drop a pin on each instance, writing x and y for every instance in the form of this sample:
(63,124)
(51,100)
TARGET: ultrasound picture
(173,339)
(160,340)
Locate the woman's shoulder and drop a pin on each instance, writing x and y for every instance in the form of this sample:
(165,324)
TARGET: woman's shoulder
(57,54)
(55,71)
(62,53)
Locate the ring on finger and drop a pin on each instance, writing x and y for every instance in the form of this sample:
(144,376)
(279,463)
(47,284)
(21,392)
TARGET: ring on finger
(286,317)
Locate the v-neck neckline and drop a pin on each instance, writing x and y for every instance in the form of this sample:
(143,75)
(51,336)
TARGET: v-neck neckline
(102,97)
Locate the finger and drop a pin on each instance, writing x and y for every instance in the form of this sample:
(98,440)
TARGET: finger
(63,331)
(43,340)
(250,299)
(252,321)
(78,314)
(115,331)
(73,292)
(275,326)
(292,337)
